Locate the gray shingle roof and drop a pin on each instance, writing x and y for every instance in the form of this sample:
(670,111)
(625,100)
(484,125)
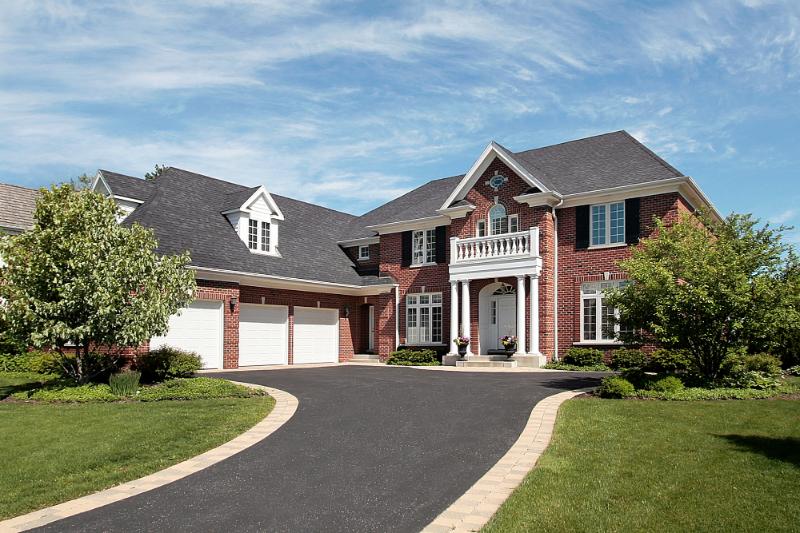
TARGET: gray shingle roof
(184,212)
(235,200)
(16,207)
(128,186)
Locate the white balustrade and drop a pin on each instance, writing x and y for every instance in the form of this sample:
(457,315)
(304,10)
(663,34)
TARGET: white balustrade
(511,245)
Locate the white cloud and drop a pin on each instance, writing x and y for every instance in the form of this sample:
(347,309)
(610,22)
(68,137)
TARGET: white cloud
(784,216)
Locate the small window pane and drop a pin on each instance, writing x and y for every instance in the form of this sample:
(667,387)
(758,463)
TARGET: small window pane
(481,228)
(498,221)
(436,298)
(252,236)
(430,246)
(424,324)
(418,252)
(412,300)
(363,252)
(589,319)
(607,321)
(265,236)
(513,224)
(598,224)
(436,324)
(411,325)
(617,220)
(423,299)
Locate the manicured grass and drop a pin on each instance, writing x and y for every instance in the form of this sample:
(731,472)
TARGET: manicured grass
(11,382)
(53,453)
(624,465)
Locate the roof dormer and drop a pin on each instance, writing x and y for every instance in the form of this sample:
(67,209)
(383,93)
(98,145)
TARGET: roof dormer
(256,217)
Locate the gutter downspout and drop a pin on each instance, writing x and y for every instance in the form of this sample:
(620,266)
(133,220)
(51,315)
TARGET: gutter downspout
(555,281)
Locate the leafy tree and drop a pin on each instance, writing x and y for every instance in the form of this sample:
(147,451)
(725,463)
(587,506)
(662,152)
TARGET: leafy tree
(157,171)
(710,287)
(80,277)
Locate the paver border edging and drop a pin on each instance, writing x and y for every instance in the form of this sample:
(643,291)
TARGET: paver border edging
(285,407)
(476,507)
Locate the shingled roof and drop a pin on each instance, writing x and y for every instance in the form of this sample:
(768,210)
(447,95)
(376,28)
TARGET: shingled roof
(184,211)
(16,207)
(127,186)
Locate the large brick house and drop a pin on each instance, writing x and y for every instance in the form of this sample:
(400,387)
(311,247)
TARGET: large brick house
(523,244)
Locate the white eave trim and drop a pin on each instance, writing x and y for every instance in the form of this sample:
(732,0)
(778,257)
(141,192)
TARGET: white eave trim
(405,225)
(277,213)
(684,185)
(361,241)
(491,151)
(281,282)
(457,212)
(539,198)
(126,199)
(99,177)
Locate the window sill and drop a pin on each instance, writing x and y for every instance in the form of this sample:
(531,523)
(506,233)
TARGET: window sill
(362,259)
(598,343)
(418,265)
(259,252)
(604,246)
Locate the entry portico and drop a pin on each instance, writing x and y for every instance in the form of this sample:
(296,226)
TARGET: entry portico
(506,255)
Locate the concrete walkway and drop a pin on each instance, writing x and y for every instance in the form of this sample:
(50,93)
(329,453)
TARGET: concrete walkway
(369,449)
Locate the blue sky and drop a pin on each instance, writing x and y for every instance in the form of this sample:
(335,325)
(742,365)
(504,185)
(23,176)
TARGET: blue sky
(349,104)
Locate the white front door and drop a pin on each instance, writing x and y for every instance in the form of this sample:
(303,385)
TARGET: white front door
(316,335)
(263,334)
(497,316)
(196,328)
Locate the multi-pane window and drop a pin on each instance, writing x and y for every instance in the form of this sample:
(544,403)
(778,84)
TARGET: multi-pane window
(252,235)
(363,252)
(500,222)
(423,249)
(424,318)
(480,228)
(265,236)
(598,320)
(608,223)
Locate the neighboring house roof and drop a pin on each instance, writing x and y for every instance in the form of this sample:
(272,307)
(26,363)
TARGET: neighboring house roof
(184,211)
(127,186)
(16,207)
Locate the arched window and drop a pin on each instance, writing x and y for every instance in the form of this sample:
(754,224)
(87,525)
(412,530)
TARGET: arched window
(498,221)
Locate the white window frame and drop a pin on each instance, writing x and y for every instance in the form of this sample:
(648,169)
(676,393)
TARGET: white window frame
(252,236)
(271,240)
(597,294)
(510,220)
(417,334)
(361,249)
(423,247)
(480,228)
(607,223)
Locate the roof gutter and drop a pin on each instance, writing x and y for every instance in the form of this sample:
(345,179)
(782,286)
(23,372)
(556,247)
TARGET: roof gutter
(283,282)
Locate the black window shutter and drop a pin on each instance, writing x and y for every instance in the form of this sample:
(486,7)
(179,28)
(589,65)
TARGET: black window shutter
(405,253)
(581,227)
(441,240)
(632,208)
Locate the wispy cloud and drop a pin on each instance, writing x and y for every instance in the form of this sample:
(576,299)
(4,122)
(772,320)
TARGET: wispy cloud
(787,215)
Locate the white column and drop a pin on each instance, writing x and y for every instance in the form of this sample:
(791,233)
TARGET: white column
(520,315)
(396,316)
(453,316)
(535,315)
(465,315)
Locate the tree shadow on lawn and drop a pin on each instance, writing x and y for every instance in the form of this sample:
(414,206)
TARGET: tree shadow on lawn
(785,449)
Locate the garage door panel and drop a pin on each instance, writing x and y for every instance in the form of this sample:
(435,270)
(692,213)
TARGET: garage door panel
(316,335)
(263,335)
(197,328)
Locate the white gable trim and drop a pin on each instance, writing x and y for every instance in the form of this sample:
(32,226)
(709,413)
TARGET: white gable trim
(260,192)
(98,178)
(492,151)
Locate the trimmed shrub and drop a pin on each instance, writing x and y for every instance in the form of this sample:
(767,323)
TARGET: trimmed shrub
(558,365)
(583,357)
(167,363)
(81,394)
(196,389)
(767,364)
(408,357)
(755,371)
(36,361)
(663,361)
(125,383)
(628,358)
(615,387)
(669,384)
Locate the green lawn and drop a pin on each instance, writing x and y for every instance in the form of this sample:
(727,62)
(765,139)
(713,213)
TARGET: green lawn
(18,381)
(621,465)
(53,453)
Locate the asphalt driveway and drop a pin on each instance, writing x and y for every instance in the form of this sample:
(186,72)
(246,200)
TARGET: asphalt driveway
(369,449)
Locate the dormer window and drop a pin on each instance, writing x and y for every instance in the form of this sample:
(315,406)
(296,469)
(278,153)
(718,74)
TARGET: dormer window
(256,218)
(252,236)
(265,236)
(258,235)
(363,252)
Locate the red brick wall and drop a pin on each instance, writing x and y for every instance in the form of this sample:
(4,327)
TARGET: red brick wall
(579,266)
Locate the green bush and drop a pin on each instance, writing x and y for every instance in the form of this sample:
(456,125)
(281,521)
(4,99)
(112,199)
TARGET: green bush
(195,389)
(628,358)
(615,387)
(792,371)
(583,357)
(408,357)
(558,365)
(125,383)
(767,364)
(663,361)
(721,393)
(81,394)
(167,363)
(35,361)
(669,384)
(755,371)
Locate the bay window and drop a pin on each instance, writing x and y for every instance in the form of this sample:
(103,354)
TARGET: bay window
(424,318)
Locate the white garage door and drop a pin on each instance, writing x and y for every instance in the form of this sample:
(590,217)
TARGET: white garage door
(263,335)
(197,328)
(316,335)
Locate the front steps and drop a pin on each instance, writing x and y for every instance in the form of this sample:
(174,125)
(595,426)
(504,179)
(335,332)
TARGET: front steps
(497,361)
(365,358)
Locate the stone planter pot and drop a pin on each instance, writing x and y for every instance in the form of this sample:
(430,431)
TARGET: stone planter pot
(462,350)
(511,349)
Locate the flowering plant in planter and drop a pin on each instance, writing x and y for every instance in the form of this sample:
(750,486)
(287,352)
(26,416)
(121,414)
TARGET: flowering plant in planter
(509,342)
(461,341)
